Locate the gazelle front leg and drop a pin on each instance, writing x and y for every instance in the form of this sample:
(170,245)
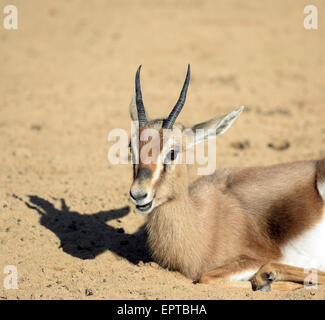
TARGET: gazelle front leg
(240,268)
(234,273)
(272,271)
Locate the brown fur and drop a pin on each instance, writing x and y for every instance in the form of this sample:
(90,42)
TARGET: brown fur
(321,171)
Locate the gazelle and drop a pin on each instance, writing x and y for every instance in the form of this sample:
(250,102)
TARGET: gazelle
(262,224)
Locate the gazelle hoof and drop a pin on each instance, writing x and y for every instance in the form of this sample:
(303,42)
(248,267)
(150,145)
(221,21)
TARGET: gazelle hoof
(264,287)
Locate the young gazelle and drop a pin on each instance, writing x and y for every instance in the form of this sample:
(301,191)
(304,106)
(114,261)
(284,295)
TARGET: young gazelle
(261,224)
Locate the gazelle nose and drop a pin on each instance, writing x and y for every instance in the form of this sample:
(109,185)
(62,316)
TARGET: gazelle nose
(137,196)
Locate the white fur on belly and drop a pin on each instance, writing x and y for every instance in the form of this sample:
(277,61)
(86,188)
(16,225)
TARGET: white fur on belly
(307,250)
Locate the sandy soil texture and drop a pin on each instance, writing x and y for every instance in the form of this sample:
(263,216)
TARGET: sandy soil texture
(67,75)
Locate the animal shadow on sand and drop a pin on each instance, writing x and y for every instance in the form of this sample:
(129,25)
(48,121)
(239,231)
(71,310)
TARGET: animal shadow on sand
(87,235)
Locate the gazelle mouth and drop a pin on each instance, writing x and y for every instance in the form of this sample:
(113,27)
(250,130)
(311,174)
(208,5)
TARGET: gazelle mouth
(145,208)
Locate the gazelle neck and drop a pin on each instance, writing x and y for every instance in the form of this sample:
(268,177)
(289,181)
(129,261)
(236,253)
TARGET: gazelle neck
(175,232)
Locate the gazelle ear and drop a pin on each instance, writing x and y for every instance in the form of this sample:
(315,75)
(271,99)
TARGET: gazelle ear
(215,126)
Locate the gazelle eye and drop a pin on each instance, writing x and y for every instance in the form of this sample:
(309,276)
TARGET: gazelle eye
(171,156)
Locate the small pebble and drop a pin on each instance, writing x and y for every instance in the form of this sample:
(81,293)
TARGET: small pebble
(154,265)
(36,127)
(88,292)
(279,145)
(241,145)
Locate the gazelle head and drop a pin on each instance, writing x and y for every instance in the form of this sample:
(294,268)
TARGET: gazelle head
(157,147)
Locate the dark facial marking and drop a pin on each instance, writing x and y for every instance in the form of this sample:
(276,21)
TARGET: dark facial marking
(144,173)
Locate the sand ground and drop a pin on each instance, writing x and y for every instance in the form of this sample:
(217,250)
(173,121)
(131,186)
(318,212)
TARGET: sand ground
(67,75)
